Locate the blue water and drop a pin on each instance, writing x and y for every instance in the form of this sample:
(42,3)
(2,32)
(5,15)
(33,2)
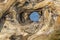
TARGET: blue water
(34,16)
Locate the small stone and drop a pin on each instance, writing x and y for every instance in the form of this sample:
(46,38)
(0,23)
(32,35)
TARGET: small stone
(34,16)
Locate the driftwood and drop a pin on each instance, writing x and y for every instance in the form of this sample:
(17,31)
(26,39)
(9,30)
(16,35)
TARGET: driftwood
(16,25)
